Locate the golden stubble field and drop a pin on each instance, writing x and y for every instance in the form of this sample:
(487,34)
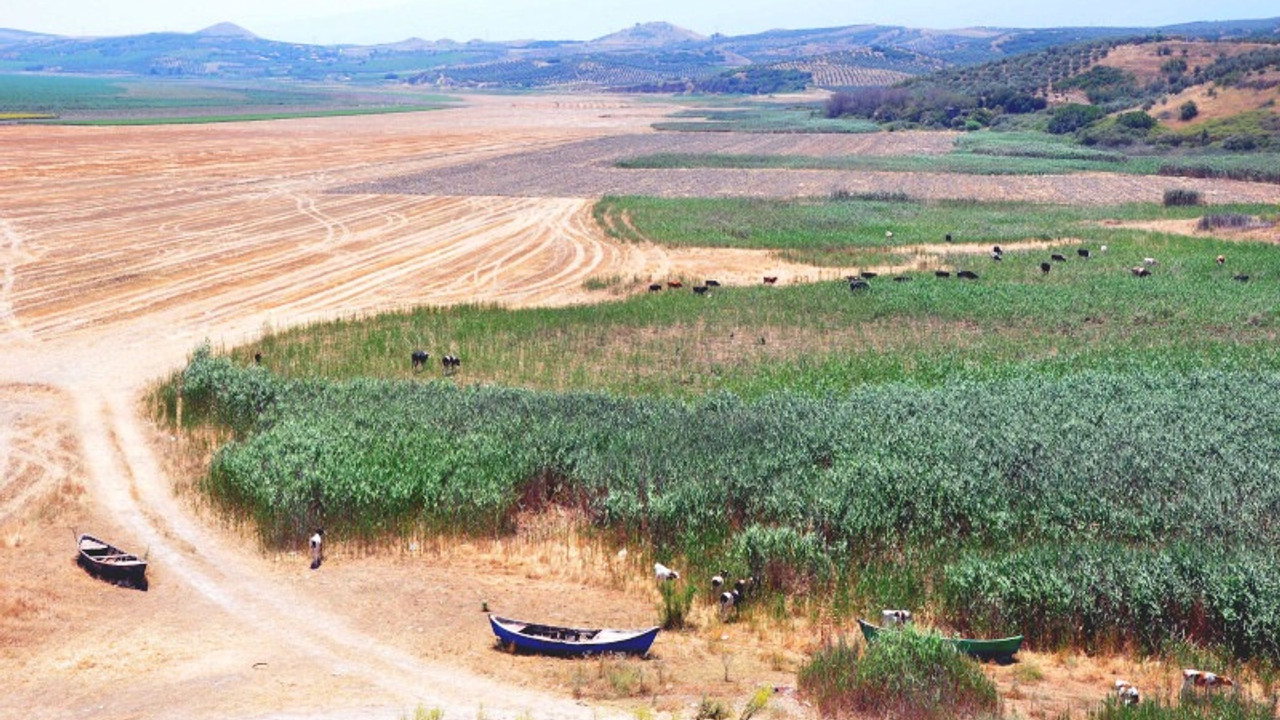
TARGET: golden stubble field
(123,248)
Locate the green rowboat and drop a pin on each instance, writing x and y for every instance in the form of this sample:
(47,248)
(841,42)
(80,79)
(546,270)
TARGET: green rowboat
(984,649)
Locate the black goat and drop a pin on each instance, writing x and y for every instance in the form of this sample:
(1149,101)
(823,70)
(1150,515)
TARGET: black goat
(1058,257)
(1044,268)
(857,285)
(419,358)
(1083,252)
(941,273)
(700,290)
(967,275)
(713,283)
(655,287)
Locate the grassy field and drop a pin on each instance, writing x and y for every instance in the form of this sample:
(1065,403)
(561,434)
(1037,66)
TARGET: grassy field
(104,100)
(763,118)
(996,154)
(982,450)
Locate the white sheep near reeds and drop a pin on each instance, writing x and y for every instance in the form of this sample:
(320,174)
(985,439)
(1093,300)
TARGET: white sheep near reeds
(662,572)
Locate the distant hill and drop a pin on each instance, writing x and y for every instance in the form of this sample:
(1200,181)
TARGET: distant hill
(226,30)
(647,36)
(656,54)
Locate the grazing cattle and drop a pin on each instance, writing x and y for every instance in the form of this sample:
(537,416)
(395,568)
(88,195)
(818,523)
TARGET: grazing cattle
(1140,271)
(1126,693)
(967,275)
(1058,257)
(656,287)
(1045,267)
(317,548)
(713,283)
(948,237)
(867,274)
(893,618)
(257,358)
(902,278)
(418,358)
(662,572)
(700,290)
(1204,679)
(1083,252)
(674,284)
(770,279)
(450,363)
(941,273)
(1240,278)
(857,285)
(1222,259)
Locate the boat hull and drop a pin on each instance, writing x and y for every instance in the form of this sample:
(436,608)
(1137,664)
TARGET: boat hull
(992,649)
(110,563)
(555,640)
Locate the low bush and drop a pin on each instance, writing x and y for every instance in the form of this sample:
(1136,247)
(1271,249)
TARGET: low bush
(1179,197)
(908,673)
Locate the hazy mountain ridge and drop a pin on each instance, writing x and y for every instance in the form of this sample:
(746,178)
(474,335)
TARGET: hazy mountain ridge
(655,52)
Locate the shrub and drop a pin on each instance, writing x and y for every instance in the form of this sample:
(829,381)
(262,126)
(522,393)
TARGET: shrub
(677,599)
(902,674)
(1240,143)
(1136,120)
(1188,110)
(1180,197)
(1072,117)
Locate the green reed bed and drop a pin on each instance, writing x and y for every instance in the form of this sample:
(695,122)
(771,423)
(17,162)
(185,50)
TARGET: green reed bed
(802,491)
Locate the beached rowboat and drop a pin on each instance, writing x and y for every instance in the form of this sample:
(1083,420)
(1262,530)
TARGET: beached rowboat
(986,649)
(555,640)
(110,562)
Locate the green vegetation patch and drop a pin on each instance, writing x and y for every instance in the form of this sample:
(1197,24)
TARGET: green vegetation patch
(905,673)
(764,118)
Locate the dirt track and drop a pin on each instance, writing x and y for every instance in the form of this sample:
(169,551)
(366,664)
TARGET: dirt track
(123,248)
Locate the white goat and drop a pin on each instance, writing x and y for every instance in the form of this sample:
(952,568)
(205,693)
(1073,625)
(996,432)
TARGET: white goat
(317,548)
(893,618)
(1126,693)
(662,572)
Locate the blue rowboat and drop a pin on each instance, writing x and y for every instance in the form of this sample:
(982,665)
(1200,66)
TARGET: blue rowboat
(554,640)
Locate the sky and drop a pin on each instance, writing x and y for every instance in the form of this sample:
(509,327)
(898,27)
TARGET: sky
(378,21)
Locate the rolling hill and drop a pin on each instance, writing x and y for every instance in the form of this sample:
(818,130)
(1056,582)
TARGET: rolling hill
(648,54)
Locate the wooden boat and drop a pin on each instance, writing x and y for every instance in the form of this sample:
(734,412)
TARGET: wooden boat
(985,649)
(554,640)
(110,562)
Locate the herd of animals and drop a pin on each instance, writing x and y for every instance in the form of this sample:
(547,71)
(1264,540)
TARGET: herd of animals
(859,282)
(729,601)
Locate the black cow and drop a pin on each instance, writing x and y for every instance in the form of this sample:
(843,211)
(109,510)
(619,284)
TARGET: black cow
(419,358)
